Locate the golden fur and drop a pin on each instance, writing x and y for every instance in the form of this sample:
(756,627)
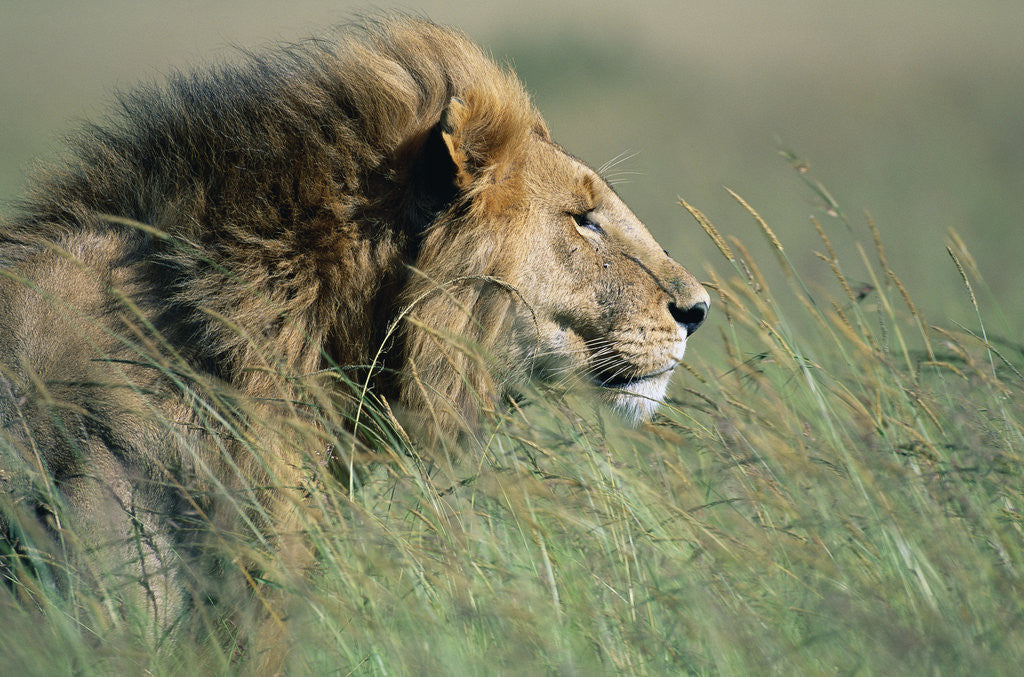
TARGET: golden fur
(389,207)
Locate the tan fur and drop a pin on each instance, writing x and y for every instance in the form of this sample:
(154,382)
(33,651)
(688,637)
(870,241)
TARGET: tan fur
(390,203)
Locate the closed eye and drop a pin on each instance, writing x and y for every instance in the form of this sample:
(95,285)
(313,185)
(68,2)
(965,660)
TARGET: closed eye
(585,222)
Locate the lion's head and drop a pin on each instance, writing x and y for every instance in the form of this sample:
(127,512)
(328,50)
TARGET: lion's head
(559,277)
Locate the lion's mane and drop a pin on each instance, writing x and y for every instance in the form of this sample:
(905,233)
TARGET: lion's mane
(285,199)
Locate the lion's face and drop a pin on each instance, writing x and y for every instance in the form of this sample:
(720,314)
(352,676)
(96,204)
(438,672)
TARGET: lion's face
(569,282)
(608,302)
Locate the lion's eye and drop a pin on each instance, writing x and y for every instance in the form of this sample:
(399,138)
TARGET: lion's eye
(586,222)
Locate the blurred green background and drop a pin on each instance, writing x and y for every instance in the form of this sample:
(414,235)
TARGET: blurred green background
(910,110)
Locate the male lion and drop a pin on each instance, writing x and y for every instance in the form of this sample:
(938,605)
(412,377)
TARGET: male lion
(382,210)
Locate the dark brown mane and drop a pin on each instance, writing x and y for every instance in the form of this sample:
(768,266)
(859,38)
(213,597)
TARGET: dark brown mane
(286,185)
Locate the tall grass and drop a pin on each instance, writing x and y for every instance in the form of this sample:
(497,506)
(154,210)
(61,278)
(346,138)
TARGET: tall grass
(835,487)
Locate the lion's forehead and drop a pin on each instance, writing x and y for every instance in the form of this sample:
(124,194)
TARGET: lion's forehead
(585,186)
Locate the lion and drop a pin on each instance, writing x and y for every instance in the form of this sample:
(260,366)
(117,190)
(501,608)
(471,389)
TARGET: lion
(387,207)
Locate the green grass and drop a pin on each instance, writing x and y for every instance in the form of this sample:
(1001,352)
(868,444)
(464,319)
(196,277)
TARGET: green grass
(835,487)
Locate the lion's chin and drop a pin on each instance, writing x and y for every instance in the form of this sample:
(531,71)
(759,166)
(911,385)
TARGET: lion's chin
(637,401)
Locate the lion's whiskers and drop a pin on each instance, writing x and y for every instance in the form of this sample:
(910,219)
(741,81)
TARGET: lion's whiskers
(624,156)
(616,178)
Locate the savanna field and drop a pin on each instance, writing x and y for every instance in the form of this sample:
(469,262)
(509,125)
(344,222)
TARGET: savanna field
(835,486)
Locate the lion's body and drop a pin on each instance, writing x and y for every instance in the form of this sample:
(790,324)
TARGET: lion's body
(236,230)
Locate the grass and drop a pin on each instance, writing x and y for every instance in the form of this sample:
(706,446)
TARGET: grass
(834,488)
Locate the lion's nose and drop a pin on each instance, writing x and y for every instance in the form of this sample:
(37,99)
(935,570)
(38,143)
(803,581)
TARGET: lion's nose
(690,317)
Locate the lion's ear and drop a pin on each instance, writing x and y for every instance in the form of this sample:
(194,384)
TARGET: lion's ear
(439,170)
(468,141)
(453,128)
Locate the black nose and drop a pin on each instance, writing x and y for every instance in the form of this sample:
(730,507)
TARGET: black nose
(692,317)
